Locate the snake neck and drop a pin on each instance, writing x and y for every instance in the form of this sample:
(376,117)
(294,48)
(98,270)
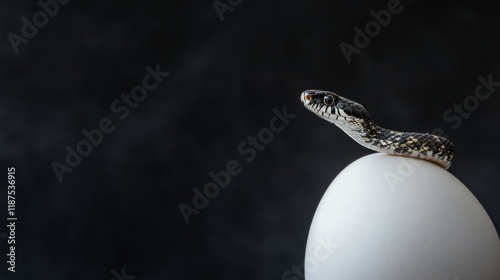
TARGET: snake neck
(410,144)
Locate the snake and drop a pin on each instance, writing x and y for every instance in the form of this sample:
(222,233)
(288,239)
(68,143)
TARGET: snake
(355,121)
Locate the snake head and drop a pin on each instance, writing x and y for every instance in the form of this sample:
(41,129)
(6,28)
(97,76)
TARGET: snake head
(333,107)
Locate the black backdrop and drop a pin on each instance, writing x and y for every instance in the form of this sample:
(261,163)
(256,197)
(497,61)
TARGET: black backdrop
(119,207)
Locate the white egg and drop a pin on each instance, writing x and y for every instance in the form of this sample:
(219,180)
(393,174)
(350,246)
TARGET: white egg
(389,217)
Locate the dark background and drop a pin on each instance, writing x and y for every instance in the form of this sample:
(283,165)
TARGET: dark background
(119,207)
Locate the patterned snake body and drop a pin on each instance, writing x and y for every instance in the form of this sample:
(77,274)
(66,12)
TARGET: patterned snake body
(355,121)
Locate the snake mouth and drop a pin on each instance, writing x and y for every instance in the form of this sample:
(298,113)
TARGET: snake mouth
(329,113)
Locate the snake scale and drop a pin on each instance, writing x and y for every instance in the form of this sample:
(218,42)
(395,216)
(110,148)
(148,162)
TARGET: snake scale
(355,121)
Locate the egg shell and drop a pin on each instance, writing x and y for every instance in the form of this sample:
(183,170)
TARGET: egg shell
(391,217)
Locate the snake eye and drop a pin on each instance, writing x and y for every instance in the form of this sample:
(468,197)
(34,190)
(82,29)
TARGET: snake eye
(328,100)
